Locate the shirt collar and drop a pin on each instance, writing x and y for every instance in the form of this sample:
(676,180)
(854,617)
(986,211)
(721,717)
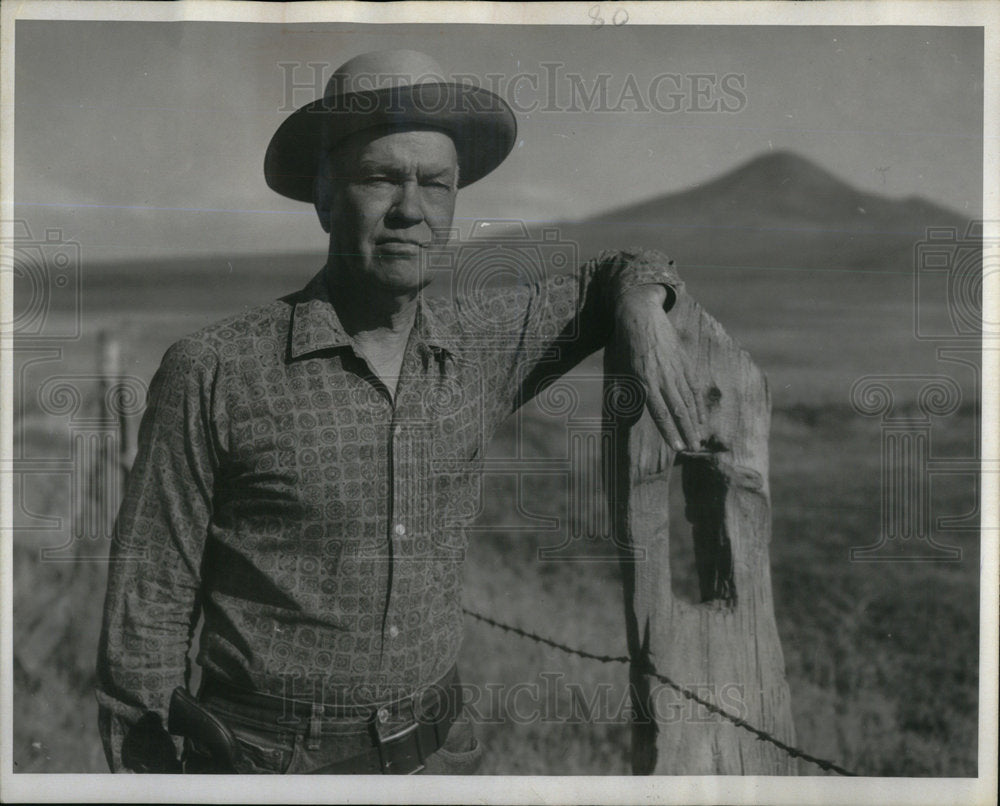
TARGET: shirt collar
(316,326)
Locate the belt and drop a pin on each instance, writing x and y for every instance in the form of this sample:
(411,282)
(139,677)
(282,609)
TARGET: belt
(289,709)
(403,733)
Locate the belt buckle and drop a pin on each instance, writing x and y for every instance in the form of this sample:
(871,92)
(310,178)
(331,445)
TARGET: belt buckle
(381,741)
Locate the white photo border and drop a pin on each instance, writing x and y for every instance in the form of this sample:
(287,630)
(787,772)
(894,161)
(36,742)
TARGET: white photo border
(550,789)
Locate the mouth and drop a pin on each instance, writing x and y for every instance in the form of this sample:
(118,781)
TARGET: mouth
(399,246)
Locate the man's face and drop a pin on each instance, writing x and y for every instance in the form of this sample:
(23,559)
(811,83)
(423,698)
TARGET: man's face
(391,196)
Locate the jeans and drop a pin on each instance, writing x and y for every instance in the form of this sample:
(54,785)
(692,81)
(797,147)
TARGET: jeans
(273,748)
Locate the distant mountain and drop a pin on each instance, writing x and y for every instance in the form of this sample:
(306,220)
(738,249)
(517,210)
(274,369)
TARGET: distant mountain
(780,189)
(778,210)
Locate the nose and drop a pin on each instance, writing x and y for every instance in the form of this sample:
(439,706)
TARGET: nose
(407,209)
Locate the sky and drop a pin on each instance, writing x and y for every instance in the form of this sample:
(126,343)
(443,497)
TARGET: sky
(145,140)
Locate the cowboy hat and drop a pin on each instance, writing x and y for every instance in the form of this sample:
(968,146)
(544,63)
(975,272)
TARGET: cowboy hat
(390,88)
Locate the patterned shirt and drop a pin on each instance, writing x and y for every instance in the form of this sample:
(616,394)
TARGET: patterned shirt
(314,519)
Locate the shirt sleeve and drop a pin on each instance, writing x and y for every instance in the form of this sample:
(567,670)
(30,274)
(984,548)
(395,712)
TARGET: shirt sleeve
(548,327)
(151,606)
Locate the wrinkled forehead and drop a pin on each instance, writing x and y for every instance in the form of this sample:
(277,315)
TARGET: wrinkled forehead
(408,147)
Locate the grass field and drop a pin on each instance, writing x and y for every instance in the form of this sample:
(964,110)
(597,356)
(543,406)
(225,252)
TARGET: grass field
(881,658)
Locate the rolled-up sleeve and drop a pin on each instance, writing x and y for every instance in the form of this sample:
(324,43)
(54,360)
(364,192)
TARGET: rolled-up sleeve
(151,606)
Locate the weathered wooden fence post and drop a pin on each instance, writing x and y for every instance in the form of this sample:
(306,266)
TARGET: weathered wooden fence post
(725,648)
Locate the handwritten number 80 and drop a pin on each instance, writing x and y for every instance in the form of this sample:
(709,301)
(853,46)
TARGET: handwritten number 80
(620,17)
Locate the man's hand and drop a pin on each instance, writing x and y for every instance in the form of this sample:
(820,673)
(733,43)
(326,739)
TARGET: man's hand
(652,352)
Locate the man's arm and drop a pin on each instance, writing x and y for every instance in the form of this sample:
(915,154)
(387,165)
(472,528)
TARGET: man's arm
(624,293)
(154,568)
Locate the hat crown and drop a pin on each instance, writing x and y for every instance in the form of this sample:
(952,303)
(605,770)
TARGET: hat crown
(382,69)
(394,88)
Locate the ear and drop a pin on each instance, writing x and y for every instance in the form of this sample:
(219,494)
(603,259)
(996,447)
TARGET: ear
(323,192)
(322,199)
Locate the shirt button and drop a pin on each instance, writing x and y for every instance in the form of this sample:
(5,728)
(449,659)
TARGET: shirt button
(400,529)
(394,631)
(383,715)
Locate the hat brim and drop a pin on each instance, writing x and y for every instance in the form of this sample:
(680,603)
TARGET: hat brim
(480,122)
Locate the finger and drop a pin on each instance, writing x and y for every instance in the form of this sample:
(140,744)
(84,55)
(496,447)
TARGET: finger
(687,393)
(664,421)
(680,402)
(699,399)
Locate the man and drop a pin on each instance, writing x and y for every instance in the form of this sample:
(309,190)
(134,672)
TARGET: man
(305,468)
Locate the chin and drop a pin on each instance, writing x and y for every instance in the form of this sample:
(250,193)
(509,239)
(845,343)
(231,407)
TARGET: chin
(401,287)
(400,276)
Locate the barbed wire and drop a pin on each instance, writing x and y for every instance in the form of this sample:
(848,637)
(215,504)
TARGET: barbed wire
(763,735)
